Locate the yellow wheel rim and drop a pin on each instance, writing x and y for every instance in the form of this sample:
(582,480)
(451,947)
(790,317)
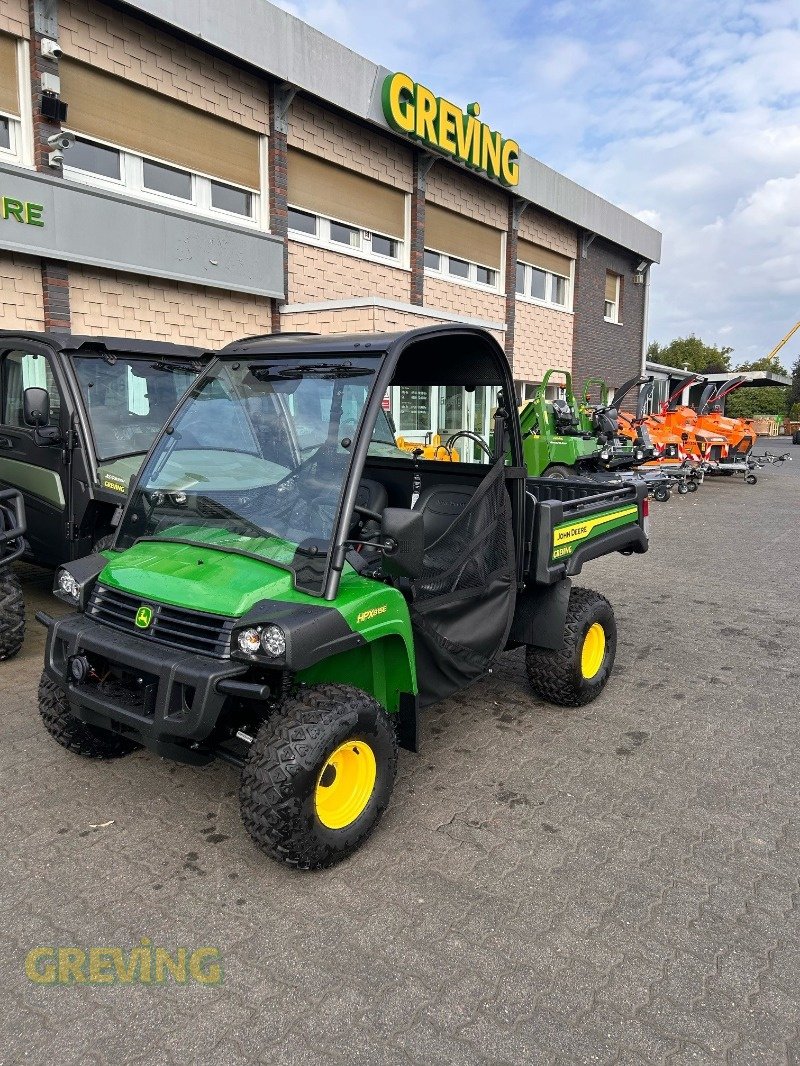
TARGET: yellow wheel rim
(345,784)
(593,651)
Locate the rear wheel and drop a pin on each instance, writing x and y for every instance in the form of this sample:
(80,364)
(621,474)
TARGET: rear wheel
(12,614)
(558,470)
(318,776)
(74,735)
(692,486)
(750,479)
(577,673)
(661,493)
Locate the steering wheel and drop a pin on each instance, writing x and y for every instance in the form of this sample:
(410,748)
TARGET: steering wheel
(468,433)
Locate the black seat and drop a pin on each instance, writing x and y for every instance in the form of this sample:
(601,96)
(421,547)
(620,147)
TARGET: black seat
(441,505)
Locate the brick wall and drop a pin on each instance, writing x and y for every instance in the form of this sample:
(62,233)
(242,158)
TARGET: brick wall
(324,133)
(127,306)
(126,46)
(21,303)
(605,349)
(371,319)
(455,189)
(464,300)
(14,17)
(542,338)
(540,228)
(319,274)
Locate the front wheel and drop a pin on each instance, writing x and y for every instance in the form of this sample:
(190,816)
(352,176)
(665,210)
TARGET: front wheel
(750,479)
(74,735)
(318,776)
(661,493)
(12,614)
(692,486)
(577,673)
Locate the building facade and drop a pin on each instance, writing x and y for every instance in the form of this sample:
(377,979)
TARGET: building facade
(197,178)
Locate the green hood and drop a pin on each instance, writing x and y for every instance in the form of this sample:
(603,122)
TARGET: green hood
(199,578)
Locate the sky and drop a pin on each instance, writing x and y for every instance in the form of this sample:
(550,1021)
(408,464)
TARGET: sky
(684,112)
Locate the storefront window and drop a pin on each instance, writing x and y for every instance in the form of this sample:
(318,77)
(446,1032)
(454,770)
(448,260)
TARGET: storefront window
(415,415)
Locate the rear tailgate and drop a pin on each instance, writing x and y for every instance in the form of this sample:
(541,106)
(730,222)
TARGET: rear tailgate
(578,520)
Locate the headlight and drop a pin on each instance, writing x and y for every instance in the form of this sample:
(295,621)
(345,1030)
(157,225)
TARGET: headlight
(273,641)
(68,585)
(250,641)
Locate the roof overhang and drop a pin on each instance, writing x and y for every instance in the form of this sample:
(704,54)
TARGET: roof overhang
(271,41)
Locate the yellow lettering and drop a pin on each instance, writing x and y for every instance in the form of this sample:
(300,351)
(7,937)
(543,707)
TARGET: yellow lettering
(425,127)
(212,974)
(45,975)
(490,152)
(70,965)
(509,163)
(176,967)
(101,965)
(449,122)
(398,102)
(124,973)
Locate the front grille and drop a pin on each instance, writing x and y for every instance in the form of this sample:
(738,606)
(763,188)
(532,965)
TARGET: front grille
(192,631)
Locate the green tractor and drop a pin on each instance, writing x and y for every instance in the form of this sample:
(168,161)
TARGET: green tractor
(563,438)
(287,589)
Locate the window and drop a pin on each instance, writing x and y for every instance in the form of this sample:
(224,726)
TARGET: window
(168,180)
(14,141)
(543,286)
(433,261)
(454,267)
(110,166)
(424,412)
(228,198)
(340,235)
(384,246)
(94,159)
(302,222)
(23,370)
(348,235)
(612,301)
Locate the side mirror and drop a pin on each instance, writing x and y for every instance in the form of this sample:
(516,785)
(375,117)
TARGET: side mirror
(36,407)
(403,539)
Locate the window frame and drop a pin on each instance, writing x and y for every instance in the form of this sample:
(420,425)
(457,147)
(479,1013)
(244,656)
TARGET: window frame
(614,318)
(471,281)
(20,127)
(322,239)
(527,297)
(131,182)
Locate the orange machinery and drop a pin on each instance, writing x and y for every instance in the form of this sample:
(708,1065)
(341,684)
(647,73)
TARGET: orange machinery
(738,432)
(668,446)
(699,442)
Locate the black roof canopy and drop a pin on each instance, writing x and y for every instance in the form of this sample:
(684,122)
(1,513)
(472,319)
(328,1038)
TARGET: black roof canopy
(88,344)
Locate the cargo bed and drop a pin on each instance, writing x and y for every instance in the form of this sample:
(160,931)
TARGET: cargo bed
(570,521)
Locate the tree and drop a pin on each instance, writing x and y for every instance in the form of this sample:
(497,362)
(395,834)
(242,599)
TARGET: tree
(793,399)
(693,354)
(749,403)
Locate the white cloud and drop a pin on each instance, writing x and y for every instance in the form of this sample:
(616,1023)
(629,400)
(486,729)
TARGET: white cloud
(687,114)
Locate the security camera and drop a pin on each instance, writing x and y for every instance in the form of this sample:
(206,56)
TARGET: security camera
(51,49)
(61,140)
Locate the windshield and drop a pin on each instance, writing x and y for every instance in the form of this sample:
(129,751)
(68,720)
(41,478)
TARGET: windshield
(256,460)
(128,399)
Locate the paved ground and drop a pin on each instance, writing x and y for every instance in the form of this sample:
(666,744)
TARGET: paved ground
(613,884)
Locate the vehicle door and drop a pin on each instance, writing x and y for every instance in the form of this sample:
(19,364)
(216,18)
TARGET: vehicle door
(36,468)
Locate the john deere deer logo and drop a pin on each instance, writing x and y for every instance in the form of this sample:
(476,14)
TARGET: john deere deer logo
(144,616)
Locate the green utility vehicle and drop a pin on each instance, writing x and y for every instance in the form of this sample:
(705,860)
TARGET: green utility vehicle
(77,417)
(287,588)
(562,438)
(12,604)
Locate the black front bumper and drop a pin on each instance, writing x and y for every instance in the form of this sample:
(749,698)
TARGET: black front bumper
(179,706)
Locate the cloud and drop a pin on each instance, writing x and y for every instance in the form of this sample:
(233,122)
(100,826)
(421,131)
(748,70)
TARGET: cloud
(686,114)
